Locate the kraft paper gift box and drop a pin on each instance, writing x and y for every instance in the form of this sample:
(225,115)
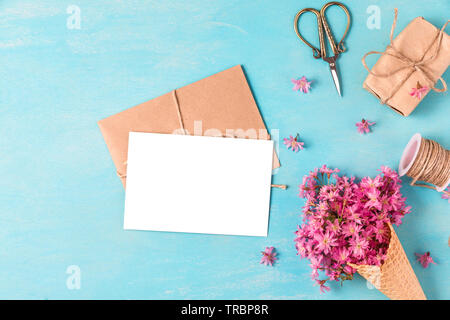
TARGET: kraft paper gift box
(419,54)
(219,105)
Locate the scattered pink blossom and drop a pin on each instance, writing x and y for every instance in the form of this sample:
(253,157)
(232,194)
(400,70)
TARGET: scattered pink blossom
(425,259)
(364,126)
(346,221)
(268,256)
(301,84)
(419,91)
(294,143)
(446,194)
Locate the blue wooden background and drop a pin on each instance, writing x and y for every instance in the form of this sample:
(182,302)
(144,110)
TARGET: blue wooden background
(61,203)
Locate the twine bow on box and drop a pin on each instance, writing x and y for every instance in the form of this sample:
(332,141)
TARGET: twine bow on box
(410,64)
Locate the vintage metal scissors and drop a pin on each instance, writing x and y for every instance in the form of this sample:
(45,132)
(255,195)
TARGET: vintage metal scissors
(323,25)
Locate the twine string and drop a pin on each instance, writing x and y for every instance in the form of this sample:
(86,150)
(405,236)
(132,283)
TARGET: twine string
(410,64)
(177,104)
(432,165)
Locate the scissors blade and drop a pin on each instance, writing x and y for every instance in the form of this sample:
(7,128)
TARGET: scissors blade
(335,76)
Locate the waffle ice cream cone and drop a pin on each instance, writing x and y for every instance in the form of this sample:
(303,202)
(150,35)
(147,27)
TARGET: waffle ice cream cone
(395,278)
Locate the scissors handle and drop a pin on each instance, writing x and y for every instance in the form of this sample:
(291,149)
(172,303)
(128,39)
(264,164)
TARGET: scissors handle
(339,48)
(317,53)
(323,25)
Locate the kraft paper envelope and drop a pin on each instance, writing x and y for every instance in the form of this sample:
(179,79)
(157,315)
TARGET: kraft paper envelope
(220,105)
(198,184)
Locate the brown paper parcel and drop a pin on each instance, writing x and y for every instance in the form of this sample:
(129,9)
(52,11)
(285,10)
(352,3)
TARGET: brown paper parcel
(220,105)
(420,53)
(395,278)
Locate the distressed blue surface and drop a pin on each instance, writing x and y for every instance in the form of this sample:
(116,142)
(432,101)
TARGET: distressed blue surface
(61,202)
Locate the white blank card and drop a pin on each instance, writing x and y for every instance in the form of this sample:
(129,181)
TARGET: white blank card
(198,184)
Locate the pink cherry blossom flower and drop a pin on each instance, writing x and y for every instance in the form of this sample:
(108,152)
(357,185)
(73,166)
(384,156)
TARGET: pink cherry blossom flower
(342,255)
(364,126)
(374,199)
(268,256)
(358,246)
(446,194)
(425,259)
(350,229)
(391,174)
(333,227)
(381,231)
(325,241)
(369,183)
(353,214)
(301,84)
(294,143)
(419,91)
(330,194)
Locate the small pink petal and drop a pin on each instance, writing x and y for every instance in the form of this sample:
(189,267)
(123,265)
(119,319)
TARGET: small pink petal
(268,256)
(364,126)
(302,84)
(425,259)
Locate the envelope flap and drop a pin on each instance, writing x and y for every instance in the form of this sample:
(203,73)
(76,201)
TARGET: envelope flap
(222,101)
(220,105)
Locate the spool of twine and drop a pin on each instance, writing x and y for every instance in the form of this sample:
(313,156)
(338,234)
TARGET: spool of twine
(426,160)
